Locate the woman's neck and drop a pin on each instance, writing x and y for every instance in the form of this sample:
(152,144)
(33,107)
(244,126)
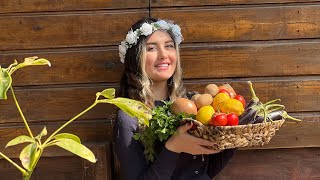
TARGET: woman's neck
(160,90)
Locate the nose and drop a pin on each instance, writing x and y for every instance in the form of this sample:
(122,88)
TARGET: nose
(162,54)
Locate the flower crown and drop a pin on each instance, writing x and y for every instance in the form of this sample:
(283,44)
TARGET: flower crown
(145,30)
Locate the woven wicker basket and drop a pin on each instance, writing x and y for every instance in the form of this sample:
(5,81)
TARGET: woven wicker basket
(228,137)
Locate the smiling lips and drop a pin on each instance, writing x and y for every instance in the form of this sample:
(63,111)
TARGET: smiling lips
(163,66)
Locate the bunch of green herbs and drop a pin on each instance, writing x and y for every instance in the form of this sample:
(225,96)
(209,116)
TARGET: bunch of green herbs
(162,125)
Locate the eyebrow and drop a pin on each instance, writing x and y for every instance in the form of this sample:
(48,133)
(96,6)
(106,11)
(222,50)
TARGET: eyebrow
(154,43)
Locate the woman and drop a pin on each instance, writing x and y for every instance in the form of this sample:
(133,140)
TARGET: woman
(153,73)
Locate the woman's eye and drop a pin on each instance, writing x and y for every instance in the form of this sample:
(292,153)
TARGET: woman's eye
(151,48)
(170,46)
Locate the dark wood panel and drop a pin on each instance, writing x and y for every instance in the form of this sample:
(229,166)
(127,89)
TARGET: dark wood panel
(50,30)
(88,132)
(47,5)
(81,65)
(54,104)
(291,135)
(66,167)
(63,168)
(284,164)
(61,103)
(245,23)
(219,60)
(173,3)
(297,135)
(280,58)
(296,93)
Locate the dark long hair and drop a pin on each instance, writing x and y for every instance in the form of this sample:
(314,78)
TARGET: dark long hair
(135,83)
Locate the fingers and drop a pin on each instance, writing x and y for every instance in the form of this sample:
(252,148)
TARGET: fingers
(185,127)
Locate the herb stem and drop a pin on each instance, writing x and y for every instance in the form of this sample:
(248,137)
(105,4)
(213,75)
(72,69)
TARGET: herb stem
(24,172)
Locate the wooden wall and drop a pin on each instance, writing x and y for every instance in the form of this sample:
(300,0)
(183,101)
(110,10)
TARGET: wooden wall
(273,43)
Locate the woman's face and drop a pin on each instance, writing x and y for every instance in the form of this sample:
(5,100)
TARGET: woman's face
(161,56)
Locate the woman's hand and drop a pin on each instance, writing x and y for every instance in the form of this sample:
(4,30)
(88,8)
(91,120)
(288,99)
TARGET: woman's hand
(182,141)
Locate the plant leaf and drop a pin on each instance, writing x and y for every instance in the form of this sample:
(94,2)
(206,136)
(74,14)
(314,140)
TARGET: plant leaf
(132,107)
(44,132)
(76,148)
(68,136)
(28,155)
(30,61)
(5,83)
(107,93)
(19,140)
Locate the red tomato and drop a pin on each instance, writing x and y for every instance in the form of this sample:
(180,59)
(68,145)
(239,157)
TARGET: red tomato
(232,119)
(241,99)
(225,91)
(219,120)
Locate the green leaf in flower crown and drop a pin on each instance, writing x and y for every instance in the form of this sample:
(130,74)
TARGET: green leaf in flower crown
(107,93)
(28,156)
(5,82)
(76,148)
(30,61)
(68,136)
(19,140)
(132,107)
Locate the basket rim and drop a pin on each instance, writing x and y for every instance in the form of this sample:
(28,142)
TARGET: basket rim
(200,125)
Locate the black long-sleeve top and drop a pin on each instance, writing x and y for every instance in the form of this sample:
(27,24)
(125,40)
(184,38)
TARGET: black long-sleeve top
(168,165)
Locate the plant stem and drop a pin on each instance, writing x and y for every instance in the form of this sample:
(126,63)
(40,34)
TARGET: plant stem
(20,111)
(27,177)
(24,172)
(70,121)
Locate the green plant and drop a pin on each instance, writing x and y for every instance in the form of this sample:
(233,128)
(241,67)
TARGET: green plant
(31,153)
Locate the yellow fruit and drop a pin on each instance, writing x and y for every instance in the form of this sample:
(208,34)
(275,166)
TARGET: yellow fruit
(219,98)
(204,114)
(231,106)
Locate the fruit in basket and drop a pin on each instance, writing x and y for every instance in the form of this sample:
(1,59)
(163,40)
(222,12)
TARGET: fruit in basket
(241,99)
(204,114)
(225,91)
(219,120)
(231,106)
(212,89)
(183,105)
(195,97)
(257,112)
(229,89)
(232,119)
(218,99)
(203,100)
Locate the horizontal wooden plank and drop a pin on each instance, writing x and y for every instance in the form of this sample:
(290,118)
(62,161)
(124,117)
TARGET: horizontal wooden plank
(66,167)
(281,58)
(285,164)
(218,60)
(296,93)
(171,3)
(290,135)
(47,5)
(53,30)
(213,24)
(80,65)
(297,135)
(59,103)
(90,133)
(54,104)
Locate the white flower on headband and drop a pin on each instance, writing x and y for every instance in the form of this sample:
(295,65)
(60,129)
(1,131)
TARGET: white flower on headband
(147,29)
(131,37)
